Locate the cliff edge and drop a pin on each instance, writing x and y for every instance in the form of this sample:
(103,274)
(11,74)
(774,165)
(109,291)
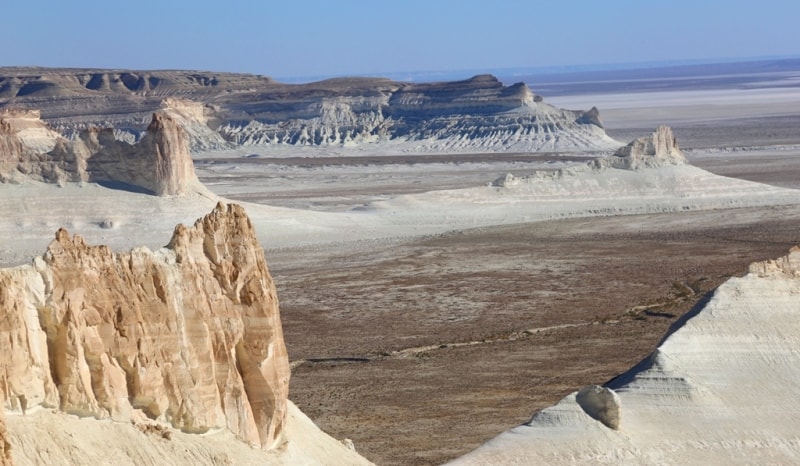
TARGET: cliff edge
(188,336)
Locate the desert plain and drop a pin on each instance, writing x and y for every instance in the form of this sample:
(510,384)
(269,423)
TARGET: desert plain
(426,311)
(420,349)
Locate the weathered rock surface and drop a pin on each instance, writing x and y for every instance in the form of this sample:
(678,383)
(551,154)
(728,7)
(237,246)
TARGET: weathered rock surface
(656,150)
(477,113)
(719,390)
(5,447)
(188,335)
(600,403)
(159,163)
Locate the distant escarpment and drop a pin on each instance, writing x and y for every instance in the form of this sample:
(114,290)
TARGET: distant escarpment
(159,163)
(477,113)
(188,336)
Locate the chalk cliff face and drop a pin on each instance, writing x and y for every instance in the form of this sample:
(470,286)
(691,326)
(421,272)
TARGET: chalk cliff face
(477,113)
(160,162)
(188,335)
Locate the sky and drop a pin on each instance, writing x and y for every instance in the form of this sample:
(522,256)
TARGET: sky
(317,38)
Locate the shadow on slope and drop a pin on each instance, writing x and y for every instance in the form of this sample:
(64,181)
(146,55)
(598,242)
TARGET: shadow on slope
(646,363)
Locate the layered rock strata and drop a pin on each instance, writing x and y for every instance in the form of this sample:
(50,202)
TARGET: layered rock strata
(159,163)
(188,335)
(476,113)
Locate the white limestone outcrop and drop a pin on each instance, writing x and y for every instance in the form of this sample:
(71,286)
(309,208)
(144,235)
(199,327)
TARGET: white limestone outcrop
(719,390)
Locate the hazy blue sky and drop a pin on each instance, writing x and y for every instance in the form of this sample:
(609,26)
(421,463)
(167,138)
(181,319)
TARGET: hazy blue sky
(284,38)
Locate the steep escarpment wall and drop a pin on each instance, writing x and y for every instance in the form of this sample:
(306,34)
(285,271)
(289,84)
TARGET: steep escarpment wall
(188,335)
(476,113)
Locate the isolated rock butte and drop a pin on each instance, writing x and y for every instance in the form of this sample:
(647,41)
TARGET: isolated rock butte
(189,335)
(159,163)
(655,150)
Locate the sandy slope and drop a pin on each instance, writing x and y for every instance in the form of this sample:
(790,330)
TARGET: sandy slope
(719,390)
(44,437)
(31,212)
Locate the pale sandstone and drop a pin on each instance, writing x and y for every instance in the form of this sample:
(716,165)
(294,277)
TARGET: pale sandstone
(159,163)
(5,448)
(188,335)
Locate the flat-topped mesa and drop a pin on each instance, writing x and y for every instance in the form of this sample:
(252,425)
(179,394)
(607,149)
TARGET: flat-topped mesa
(659,149)
(188,335)
(482,94)
(480,113)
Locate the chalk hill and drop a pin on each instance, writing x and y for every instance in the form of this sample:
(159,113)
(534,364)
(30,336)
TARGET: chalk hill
(477,113)
(718,390)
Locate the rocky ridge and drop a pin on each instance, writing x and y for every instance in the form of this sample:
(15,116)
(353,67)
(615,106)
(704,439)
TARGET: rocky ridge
(188,336)
(159,163)
(717,390)
(477,113)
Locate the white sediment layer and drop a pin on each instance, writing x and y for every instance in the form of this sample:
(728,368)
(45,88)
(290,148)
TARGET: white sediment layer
(32,212)
(719,390)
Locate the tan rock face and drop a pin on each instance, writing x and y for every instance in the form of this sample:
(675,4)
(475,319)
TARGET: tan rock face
(189,335)
(159,163)
(12,149)
(5,448)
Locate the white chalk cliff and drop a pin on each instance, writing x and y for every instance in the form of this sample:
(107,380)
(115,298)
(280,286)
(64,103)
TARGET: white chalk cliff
(719,390)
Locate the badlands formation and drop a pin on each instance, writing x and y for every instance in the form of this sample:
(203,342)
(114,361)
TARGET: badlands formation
(475,114)
(165,343)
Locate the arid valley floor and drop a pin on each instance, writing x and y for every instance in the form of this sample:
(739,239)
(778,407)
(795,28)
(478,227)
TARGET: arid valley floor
(421,350)
(425,313)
